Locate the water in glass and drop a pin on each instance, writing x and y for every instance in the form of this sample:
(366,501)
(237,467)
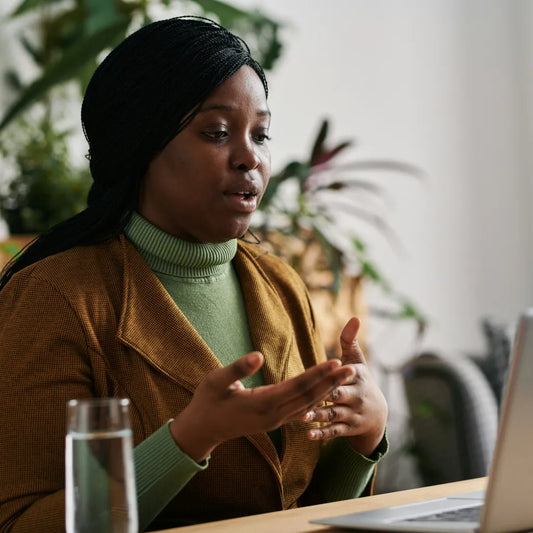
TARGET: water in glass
(100,486)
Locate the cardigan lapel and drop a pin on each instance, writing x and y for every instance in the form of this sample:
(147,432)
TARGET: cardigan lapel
(270,325)
(153,325)
(271,331)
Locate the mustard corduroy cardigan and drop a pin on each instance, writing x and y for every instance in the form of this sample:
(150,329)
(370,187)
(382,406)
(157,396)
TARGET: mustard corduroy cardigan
(95,321)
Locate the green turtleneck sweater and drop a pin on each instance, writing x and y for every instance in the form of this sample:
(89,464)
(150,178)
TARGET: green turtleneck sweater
(202,281)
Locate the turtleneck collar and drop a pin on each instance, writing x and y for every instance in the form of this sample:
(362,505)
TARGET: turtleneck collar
(169,255)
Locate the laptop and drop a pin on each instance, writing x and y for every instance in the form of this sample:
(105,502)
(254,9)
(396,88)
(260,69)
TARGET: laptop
(507,504)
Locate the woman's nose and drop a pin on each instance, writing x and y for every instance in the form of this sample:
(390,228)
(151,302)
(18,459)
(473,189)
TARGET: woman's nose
(245,157)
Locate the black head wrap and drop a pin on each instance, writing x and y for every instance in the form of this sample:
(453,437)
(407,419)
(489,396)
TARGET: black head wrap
(147,90)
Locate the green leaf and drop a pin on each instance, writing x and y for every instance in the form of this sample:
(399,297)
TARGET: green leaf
(225,13)
(301,171)
(290,171)
(101,14)
(47,187)
(295,169)
(359,245)
(85,74)
(61,29)
(139,6)
(370,271)
(9,248)
(33,51)
(409,311)
(270,193)
(68,66)
(28,5)
(13,80)
(271,51)
(259,31)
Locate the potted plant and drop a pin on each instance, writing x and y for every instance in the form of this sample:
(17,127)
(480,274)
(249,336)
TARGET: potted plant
(43,186)
(40,183)
(299,220)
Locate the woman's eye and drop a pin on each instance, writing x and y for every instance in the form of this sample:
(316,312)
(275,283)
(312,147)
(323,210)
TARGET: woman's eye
(262,137)
(216,135)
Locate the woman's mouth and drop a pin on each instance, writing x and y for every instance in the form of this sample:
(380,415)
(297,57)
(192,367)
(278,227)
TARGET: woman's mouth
(247,195)
(242,201)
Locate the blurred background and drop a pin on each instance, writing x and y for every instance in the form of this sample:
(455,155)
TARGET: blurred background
(436,97)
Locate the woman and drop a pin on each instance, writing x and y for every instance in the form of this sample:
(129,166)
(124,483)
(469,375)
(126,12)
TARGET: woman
(147,294)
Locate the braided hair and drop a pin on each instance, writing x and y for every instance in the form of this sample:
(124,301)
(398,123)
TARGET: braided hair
(139,98)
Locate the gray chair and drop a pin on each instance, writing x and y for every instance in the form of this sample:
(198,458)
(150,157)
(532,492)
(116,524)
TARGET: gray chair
(453,417)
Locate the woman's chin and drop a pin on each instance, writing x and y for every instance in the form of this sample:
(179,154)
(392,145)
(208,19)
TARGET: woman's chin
(223,234)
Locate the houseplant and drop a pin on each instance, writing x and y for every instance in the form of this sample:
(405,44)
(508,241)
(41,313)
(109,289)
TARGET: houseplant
(65,40)
(299,220)
(71,36)
(43,186)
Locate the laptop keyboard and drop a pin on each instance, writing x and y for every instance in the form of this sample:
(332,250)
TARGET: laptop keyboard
(467,514)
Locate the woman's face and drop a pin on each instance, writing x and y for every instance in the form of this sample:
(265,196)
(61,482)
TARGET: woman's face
(207,182)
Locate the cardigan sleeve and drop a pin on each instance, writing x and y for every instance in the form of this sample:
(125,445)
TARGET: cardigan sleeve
(45,360)
(43,365)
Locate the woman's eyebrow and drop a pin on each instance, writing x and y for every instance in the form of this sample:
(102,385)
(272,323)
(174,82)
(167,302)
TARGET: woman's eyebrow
(230,108)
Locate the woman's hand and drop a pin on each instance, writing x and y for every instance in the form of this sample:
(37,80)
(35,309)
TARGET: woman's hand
(222,408)
(357,409)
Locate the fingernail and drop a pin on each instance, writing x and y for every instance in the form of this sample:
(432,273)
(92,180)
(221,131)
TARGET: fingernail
(254,358)
(309,416)
(314,434)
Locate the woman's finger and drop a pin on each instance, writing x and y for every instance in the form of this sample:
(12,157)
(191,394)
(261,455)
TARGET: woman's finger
(330,414)
(351,351)
(295,396)
(286,391)
(223,379)
(348,394)
(330,432)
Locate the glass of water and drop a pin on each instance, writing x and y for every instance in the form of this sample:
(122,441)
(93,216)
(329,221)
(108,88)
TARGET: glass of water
(99,476)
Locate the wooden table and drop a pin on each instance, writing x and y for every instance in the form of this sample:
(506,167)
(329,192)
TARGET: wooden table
(297,520)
